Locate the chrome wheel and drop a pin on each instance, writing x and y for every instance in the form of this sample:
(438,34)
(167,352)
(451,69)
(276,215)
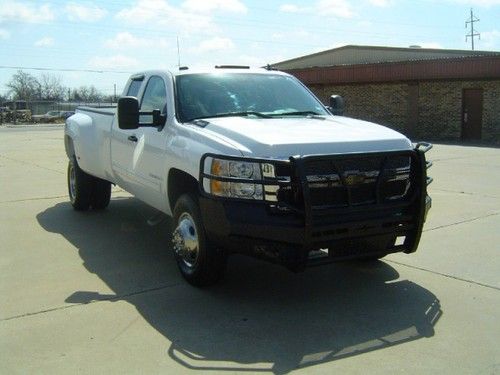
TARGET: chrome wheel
(185,240)
(72,183)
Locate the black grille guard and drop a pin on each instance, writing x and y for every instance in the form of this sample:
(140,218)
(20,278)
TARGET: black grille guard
(352,217)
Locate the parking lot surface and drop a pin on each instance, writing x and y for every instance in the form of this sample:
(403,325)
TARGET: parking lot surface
(99,292)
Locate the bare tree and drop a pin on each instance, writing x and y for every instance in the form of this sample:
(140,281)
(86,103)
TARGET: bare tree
(51,87)
(87,94)
(23,86)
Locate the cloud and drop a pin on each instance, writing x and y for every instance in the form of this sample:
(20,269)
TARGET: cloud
(292,8)
(364,24)
(126,40)
(214,44)
(479,3)
(201,6)
(116,62)
(336,8)
(25,12)
(490,39)
(380,3)
(297,33)
(44,42)
(159,13)
(89,13)
(4,34)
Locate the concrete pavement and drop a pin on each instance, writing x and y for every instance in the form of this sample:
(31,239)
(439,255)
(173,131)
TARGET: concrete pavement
(99,292)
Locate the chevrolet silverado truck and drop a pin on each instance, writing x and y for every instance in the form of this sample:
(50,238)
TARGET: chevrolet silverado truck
(250,161)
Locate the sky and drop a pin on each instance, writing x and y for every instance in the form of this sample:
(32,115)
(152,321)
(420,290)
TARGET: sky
(101,43)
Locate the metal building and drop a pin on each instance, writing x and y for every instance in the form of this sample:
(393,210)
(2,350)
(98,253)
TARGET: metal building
(426,93)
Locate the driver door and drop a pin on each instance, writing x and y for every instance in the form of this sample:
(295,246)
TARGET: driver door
(142,150)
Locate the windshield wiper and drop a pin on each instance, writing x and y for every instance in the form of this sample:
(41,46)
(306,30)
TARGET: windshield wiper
(232,114)
(297,113)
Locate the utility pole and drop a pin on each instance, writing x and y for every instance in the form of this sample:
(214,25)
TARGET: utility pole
(472,34)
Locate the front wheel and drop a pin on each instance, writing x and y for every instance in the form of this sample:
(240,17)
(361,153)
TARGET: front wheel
(199,261)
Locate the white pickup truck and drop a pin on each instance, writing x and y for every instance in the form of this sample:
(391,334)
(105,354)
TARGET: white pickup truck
(250,161)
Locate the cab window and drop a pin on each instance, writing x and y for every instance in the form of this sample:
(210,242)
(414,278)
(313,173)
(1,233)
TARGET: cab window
(155,95)
(134,87)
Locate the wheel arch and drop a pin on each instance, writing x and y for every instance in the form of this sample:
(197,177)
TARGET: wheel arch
(180,182)
(69,146)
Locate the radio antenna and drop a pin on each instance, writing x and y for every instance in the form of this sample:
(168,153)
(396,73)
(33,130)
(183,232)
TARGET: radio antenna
(178,53)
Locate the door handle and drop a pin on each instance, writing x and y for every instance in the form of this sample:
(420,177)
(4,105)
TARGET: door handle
(132,138)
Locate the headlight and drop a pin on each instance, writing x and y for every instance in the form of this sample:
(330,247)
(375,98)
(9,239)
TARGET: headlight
(241,169)
(237,170)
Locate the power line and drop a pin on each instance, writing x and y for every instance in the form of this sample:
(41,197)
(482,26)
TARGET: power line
(472,34)
(64,69)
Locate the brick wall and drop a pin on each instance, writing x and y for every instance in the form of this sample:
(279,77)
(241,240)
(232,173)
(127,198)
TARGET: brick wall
(422,110)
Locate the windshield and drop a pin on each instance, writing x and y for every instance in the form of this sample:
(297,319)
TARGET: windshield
(236,94)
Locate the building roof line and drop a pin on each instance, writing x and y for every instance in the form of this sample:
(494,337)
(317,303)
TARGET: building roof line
(388,48)
(478,67)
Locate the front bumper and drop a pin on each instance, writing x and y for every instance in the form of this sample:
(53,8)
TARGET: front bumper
(245,228)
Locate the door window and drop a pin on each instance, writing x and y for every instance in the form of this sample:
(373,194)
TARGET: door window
(155,96)
(134,87)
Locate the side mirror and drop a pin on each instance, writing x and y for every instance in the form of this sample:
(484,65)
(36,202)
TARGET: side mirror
(158,118)
(128,113)
(336,105)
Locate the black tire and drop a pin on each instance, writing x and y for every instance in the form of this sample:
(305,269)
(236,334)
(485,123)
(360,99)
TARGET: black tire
(371,258)
(101,194)
(207,266)
(79,186)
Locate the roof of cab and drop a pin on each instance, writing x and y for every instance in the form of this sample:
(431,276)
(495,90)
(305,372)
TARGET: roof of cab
(213,70)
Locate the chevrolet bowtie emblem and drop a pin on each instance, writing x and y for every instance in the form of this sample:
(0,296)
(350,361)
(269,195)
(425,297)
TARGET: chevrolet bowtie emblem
(354,179)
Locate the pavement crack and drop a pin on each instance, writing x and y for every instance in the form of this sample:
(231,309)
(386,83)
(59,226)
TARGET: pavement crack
(445,275)
(35,199)
(31,164)
(104,299)
(461,222)
(466,193)
(115,191)
(453,158)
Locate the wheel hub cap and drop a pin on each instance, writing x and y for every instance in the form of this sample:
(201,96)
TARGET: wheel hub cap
(72,183)
(185,240)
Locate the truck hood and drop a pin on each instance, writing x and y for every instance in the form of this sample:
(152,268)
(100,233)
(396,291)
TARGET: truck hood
(282,137)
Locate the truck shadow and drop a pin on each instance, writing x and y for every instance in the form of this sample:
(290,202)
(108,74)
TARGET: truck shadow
(261,317)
